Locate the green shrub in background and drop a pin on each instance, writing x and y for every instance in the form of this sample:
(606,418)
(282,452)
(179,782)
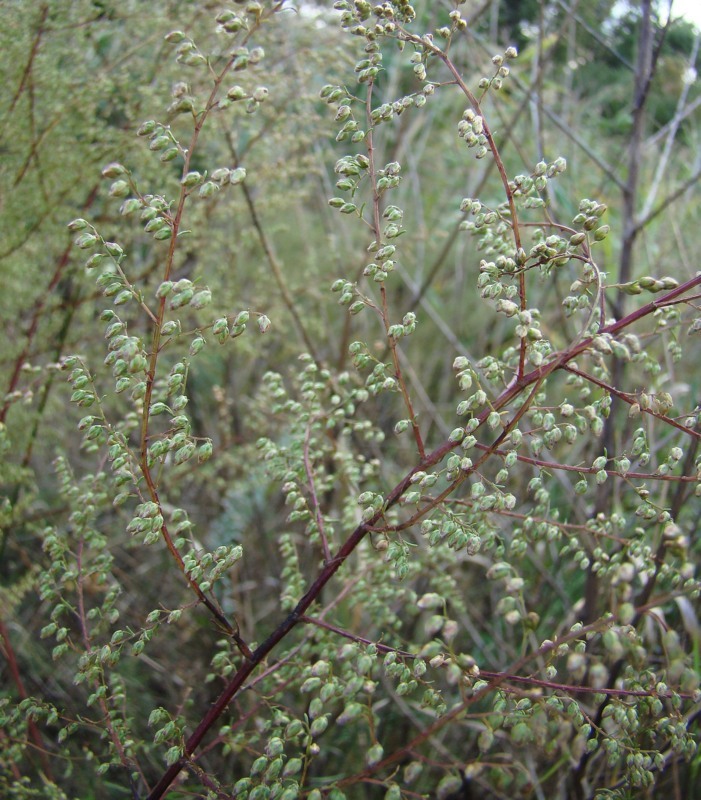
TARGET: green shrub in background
(350,436)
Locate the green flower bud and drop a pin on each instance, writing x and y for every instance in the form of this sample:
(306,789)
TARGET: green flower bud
(201,299)
(208,189)
(113,170)
(160,143)
(457,435)
(274,747)
(182,106)
(234,25)
(146,128)
(293,767)
(350,712)
(191,179)
(86,240)
(130,206)
(237,93)
(180,299)
(221,327)
(196,345)
(148,214)
(119,189)
(138,364)
(155,225)
(374,754)
(220,175)
(184,453)
(319,725)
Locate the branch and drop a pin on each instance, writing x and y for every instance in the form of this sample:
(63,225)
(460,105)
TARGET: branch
(535,377)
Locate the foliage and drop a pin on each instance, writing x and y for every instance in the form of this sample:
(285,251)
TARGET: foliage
(350,435)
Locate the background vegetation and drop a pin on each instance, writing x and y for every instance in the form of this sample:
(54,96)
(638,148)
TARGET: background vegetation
(349,435)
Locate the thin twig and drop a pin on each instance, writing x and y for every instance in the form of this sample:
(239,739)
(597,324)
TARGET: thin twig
(318,515)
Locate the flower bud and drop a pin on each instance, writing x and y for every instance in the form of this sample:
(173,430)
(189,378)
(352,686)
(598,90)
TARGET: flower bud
(208,189)
(119,189)
(257,53)
(146,128)
(113,170)
(129,206)
(201,299)
(86,240)
(180,299)
(191,179)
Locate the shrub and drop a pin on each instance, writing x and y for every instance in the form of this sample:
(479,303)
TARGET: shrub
(341,525)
